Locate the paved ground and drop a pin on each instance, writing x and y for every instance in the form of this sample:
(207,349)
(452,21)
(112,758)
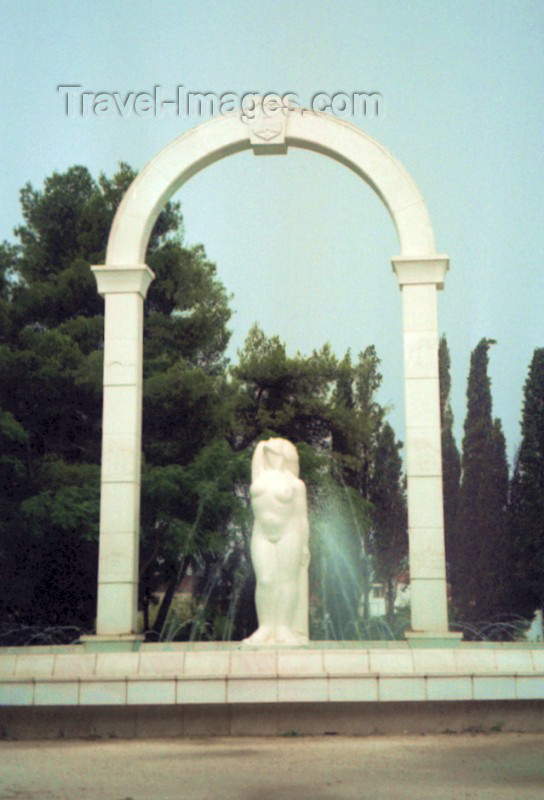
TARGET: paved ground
(498,767)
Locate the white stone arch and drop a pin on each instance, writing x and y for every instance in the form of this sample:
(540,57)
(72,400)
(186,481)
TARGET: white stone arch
(124,279)
(211,141)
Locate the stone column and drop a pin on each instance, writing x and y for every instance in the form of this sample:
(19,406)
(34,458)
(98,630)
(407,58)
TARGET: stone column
(124,289)
(419,280)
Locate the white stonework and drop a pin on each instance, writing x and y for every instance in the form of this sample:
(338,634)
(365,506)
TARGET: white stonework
(419,280)
(195,674)
(124,280)
(124,289)
(279,545)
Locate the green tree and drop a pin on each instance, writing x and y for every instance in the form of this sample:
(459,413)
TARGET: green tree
(356,418)
(451,460)
(13,447)
(51,347)
(526,517)
(480,565)
(356,422)
(389,529)
(368,380)
(287,395)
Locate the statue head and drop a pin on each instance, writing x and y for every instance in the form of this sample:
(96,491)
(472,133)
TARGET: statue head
(274,454)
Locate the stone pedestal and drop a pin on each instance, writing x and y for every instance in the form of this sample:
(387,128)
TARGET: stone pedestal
(124,289)
(419,280)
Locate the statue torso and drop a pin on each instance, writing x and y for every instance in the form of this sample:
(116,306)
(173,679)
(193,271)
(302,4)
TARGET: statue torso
(272,500)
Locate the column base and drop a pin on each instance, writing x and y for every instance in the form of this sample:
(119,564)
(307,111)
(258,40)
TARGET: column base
(112,642)
(431,639)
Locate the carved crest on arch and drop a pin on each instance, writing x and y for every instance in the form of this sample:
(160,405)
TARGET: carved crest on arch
(267,128)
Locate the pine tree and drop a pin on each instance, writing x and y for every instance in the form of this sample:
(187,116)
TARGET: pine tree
(451,461)
(287,395)
(51,351)
(479,575)
(526,523)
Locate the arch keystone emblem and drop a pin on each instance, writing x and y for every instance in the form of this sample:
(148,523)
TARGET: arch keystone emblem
(267,129)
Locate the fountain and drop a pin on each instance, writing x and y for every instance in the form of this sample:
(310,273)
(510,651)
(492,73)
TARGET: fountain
(276,681)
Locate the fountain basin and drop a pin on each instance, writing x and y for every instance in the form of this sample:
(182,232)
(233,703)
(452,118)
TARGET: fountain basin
(221,688)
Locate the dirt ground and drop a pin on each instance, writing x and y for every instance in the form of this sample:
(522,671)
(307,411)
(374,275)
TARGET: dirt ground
(453,767)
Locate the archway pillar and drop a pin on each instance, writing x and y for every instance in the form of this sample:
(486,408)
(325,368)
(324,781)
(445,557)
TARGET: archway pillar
(124,288)
(419,280)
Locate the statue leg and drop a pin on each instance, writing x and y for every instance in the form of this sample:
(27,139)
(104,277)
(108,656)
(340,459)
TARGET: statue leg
(290,601)
(287,599)
(263,555)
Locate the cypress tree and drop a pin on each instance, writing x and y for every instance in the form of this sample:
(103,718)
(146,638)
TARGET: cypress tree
(389,518)
(480,528)
(526,522)
(451,460)
(498,510)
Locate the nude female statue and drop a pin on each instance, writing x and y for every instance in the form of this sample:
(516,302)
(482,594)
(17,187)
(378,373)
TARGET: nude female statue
(279,544)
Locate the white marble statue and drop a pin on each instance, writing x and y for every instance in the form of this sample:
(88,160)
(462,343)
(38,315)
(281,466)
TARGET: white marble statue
(279,545)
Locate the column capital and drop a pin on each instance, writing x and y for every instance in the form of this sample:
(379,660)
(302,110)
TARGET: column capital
(411,270)
(123,279)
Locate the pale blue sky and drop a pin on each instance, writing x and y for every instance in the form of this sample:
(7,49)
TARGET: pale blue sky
(302,243)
